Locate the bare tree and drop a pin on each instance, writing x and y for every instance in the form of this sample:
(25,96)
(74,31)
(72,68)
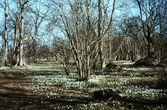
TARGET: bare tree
(148,15)
(80,27)
(37,18)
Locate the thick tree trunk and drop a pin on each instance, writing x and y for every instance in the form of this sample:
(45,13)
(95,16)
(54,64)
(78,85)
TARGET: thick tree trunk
(15,52)
(21,62)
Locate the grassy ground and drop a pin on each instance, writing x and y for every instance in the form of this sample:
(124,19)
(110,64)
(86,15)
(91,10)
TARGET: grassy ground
(44,86)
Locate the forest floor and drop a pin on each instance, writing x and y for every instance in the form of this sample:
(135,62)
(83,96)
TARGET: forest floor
(45,87)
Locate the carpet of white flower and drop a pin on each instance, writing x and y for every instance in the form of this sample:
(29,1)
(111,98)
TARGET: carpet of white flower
(130,82)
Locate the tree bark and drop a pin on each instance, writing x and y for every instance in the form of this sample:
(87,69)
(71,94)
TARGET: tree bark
(21,62)
(102,62)
(5,50)
(21,31)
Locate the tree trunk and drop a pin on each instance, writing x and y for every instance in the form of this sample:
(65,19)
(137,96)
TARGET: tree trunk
(15,52)
(21,62)
(35,43)
(5,52)
(102,63)
(34,51)
(150,50)
(102,60)
(15,36)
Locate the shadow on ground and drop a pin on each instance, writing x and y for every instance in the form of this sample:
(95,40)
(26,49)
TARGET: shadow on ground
(15,93)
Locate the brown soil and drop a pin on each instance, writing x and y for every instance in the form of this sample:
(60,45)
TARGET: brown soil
(17,92)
